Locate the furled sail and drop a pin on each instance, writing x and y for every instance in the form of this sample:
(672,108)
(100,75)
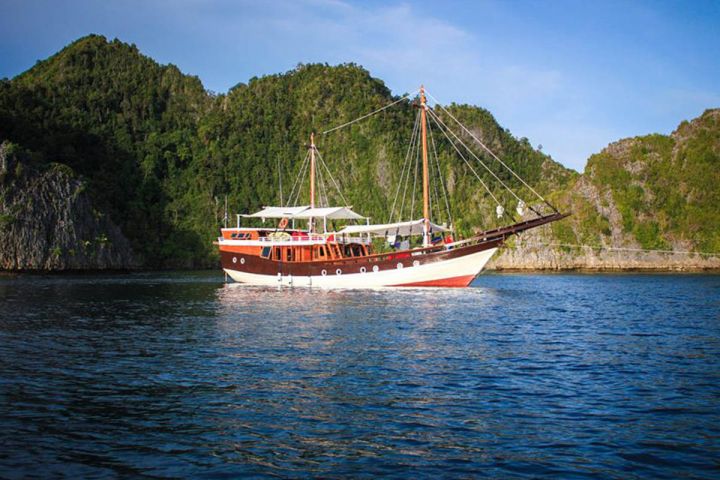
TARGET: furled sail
(412,227)
(304,212)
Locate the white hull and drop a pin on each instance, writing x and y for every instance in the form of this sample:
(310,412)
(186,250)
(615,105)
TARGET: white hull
(464,266)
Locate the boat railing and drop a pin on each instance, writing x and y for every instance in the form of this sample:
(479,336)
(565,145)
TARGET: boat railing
(315,238)
(292,238)
(350,239)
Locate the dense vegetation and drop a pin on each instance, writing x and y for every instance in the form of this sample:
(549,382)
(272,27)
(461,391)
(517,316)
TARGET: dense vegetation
(159,153)
(664,189)
(122,122)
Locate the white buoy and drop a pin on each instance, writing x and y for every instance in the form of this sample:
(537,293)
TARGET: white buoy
(521,208)
(500,211)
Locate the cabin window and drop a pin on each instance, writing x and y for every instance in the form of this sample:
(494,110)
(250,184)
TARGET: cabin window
(321,251)
(265,252)
(278,256)
(288,254)
(234,235)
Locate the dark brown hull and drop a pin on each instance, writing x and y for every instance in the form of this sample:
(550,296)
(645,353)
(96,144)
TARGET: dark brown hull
(235,262)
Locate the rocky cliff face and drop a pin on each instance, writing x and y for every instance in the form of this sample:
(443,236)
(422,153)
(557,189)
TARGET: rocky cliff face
(539,250)
(47,221)
(646,203)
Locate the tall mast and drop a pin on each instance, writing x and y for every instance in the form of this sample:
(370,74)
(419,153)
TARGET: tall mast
(426,183)
(312,177)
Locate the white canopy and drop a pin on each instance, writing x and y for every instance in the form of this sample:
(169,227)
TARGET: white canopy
(332,213)
(412,227)
(303,212)
(277,212)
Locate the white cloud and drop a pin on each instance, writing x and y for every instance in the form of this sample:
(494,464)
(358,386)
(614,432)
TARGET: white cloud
(532,88)
(405,47)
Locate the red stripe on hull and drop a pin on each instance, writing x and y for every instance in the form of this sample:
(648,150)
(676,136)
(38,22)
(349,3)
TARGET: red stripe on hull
(460,282)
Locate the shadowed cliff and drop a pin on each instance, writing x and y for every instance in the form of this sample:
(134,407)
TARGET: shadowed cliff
(48,221)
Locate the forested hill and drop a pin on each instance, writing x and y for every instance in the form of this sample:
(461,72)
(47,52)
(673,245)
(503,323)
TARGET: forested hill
(158,154)
(125,126)
(648,202)
(151,156)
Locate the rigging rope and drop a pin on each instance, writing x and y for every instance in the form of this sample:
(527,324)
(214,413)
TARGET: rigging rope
(337,187)
(466,162)
(440,176)
(491,153)
(438,119)
(414,147)
(370,114)
(434,199)
(322,191)
(324,188)
(414,189)
(301,175)
(413,136)
(411,152)
(434,196)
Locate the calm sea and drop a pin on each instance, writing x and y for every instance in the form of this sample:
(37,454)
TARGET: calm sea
(521,376)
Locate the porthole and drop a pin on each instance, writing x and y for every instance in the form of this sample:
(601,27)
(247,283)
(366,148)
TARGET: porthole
(234,259)
(242,261)
(323,273)
(399,266)
(416,263)
(363,270)
(338,272)
(376,268)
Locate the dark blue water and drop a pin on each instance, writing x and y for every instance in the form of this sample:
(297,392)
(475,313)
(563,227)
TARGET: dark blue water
(522,376)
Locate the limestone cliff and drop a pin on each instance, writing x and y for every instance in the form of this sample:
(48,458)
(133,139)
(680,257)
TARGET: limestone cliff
(48,223)
(647,203)
(539,250)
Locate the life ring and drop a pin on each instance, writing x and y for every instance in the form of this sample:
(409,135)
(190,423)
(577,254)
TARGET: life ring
(283,223)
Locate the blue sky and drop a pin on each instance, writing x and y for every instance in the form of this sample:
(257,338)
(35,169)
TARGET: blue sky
(572,75)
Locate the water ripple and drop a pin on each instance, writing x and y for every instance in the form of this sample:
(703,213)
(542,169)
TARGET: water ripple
(522,376)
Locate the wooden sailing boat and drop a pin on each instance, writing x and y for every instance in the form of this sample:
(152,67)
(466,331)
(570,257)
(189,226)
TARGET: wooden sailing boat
(285,255)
